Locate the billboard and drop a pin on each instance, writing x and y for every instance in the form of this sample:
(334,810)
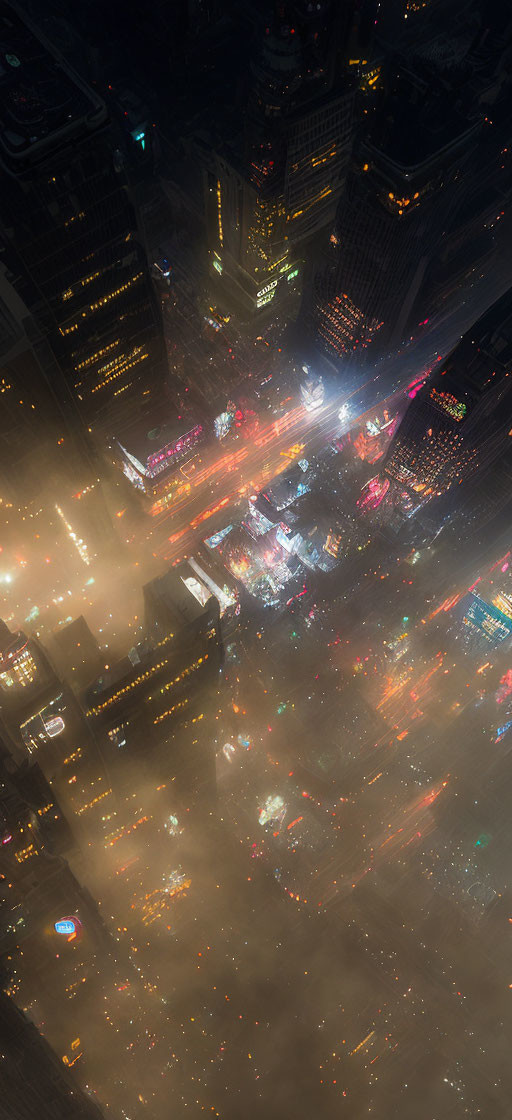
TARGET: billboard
(70,928)
(485,618)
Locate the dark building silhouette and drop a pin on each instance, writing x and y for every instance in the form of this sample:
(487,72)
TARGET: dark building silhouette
(272,191)
(31,817)
(54,945)
(35,1081)
(150,706)
(32,419)
(70,233)
(46,725)
(406,181)
(457,429)
(77,654)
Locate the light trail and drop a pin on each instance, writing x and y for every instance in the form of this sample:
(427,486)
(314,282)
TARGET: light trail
(209,512)
(452,600)
(361,1044)
(257,462)
(392,837)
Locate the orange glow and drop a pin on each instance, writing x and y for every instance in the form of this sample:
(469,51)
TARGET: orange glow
(176,536)
(203,516)
(392,837)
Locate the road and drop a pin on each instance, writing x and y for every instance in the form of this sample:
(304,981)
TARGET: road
(223,479)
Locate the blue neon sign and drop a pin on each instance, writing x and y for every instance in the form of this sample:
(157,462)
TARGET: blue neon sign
(66,926)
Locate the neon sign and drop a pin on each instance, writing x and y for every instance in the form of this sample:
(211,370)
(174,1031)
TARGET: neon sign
(502,731)
(140,137)
(67,927)
(485,617)
(157,462)
(267,288)
(449,404)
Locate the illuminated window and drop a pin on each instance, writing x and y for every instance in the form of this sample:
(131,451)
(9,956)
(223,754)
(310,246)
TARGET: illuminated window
(219,212)
(23,671)
(25,853)
(449,404)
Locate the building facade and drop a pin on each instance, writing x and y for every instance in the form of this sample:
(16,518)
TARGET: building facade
(35,1081)
(272,193)
(458,425)
(405,184)
(70,233)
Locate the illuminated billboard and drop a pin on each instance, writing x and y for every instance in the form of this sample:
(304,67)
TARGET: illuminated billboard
(69,928)
(373,493)
(502,731)
(504,603)
(484,617)
(222,424)
(159,460)
(224,595)
(216,539)
(46,724)
(267,293)
(196,589)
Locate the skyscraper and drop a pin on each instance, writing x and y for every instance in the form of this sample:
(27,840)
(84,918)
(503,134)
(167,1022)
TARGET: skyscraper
(458,425)
(72,252)
(46,725)
(270,195)
(406,181)
(35,1082)
(53,943)
(32,415)
(152,706)
(31,818)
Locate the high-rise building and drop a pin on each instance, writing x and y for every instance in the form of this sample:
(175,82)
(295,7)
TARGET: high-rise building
(77,653)
(476,241)
(57,953)
(46,457)
(270,194)
(31,818)
(406,182)
(34,425)
(153,705)
(24,669)
(46,725)
(35,1081)
(70,233)
(153,451)
(459,423)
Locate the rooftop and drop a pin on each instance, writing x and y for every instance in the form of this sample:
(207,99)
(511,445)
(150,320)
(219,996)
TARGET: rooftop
(418,122)
(10,643)
(148,434)
(169,598)
(43,103)
(483,357)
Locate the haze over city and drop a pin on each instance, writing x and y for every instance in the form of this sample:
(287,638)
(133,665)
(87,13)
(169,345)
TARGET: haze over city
(255,559)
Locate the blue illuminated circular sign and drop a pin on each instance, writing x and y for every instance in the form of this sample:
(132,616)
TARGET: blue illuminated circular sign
(66,926)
